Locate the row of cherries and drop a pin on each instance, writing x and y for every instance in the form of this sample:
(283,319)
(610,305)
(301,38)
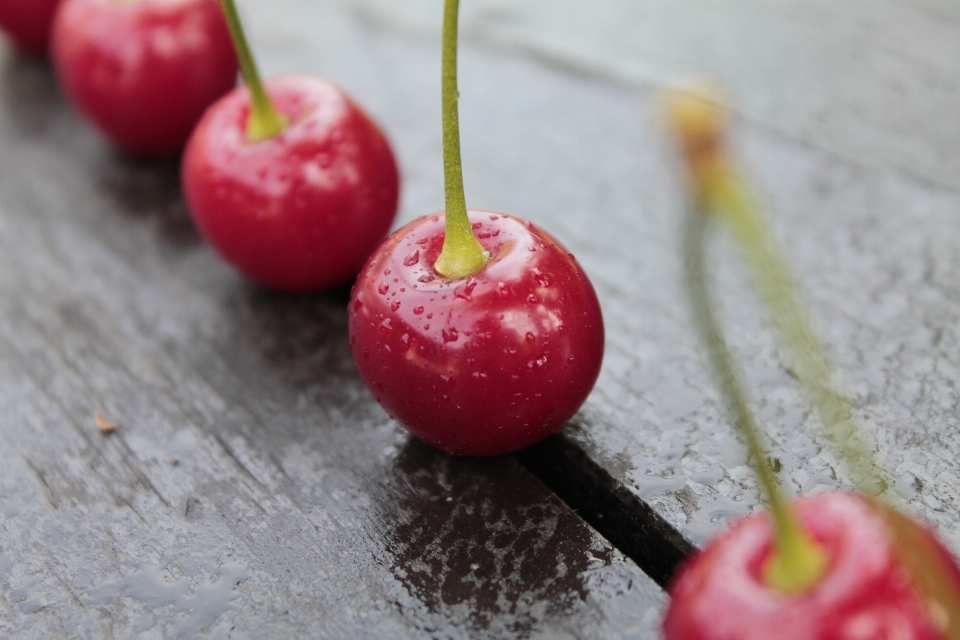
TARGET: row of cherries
(476,330)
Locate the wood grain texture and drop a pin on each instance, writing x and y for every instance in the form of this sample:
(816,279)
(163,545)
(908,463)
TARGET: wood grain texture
(252,488)
(846,125)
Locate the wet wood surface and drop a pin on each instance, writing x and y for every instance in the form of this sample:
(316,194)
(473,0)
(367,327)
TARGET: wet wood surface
(253,488)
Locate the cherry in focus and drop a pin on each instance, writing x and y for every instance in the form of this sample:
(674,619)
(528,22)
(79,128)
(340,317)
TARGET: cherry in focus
(865,593)
(484,364)
(300,210)
(28,22)
(144,71)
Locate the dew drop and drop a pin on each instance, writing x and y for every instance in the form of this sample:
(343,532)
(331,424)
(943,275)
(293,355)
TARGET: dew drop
(395,305)
(532,299)
(531,248)
(570,359)
(386,327)
(542,279)
(426,327)
(405,339)
(531,337)
(386,272)
(476,225)
(495,233)
(402,289)
(494,216)
(418,310)
(465,291)
(572,257)
(501,290)
(429,315)
(383,288)
(425,278)
(412,259)
(449,334)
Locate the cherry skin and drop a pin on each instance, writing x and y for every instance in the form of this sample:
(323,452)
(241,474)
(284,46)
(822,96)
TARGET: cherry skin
(301,210)
(27,22)
(865,593)
(485,364)
(144,71)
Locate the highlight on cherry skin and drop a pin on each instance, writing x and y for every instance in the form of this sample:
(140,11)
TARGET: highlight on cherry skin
(300,210)
(865,593)
(27,23)
(483,364)
(144,71)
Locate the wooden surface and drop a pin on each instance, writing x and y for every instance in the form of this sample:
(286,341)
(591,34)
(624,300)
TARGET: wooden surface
(253,488)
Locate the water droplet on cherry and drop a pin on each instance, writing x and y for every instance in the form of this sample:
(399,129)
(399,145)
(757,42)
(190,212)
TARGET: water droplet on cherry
(395,305)
(383,288)
(412,259)
(531,337)
(386,327)
(532,299)
(405,339)
(418,310)
(425,278)
(465,291)
(449,334)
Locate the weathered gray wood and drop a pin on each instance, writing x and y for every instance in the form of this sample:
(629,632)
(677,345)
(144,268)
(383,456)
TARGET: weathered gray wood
(849,128)
(252,487)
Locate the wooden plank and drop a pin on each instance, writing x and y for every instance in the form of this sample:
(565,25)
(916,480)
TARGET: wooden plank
(252,487)
(846,124)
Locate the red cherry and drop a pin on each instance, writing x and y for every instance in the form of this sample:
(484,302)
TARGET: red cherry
(484,364)
(865,593)
(300,210)
(28,22)
(144,71)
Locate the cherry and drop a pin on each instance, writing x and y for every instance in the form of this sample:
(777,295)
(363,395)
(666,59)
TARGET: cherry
(143,71)
(293,184)
(477,331)
(865,593)
(27,22)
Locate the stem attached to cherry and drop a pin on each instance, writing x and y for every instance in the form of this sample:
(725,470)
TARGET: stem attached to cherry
(723,193)
(265,120)
(798,561)
(462,253)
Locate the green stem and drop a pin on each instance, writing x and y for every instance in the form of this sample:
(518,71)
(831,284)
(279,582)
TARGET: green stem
(797,562)
(462,253)
(808,360)
(265,121)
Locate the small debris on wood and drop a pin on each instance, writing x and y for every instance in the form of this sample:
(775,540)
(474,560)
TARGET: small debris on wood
(103,424)
(174,463)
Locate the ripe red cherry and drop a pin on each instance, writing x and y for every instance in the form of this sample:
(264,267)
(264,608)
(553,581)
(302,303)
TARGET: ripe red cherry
(865,593)
(300,210)
(144,71)
(484,364)
(28,22)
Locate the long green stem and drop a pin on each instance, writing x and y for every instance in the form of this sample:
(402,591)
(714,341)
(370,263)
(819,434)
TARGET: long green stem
(462,253)
(264,121)
(732,200)
(797,562)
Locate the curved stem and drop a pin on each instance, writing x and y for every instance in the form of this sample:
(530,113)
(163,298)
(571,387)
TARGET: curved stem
(797,562)
(808,359)
(462,253)
(265,121)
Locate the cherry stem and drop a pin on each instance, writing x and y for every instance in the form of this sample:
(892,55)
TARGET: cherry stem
(265,120)
(797,562)
(462,253)
(723,193)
